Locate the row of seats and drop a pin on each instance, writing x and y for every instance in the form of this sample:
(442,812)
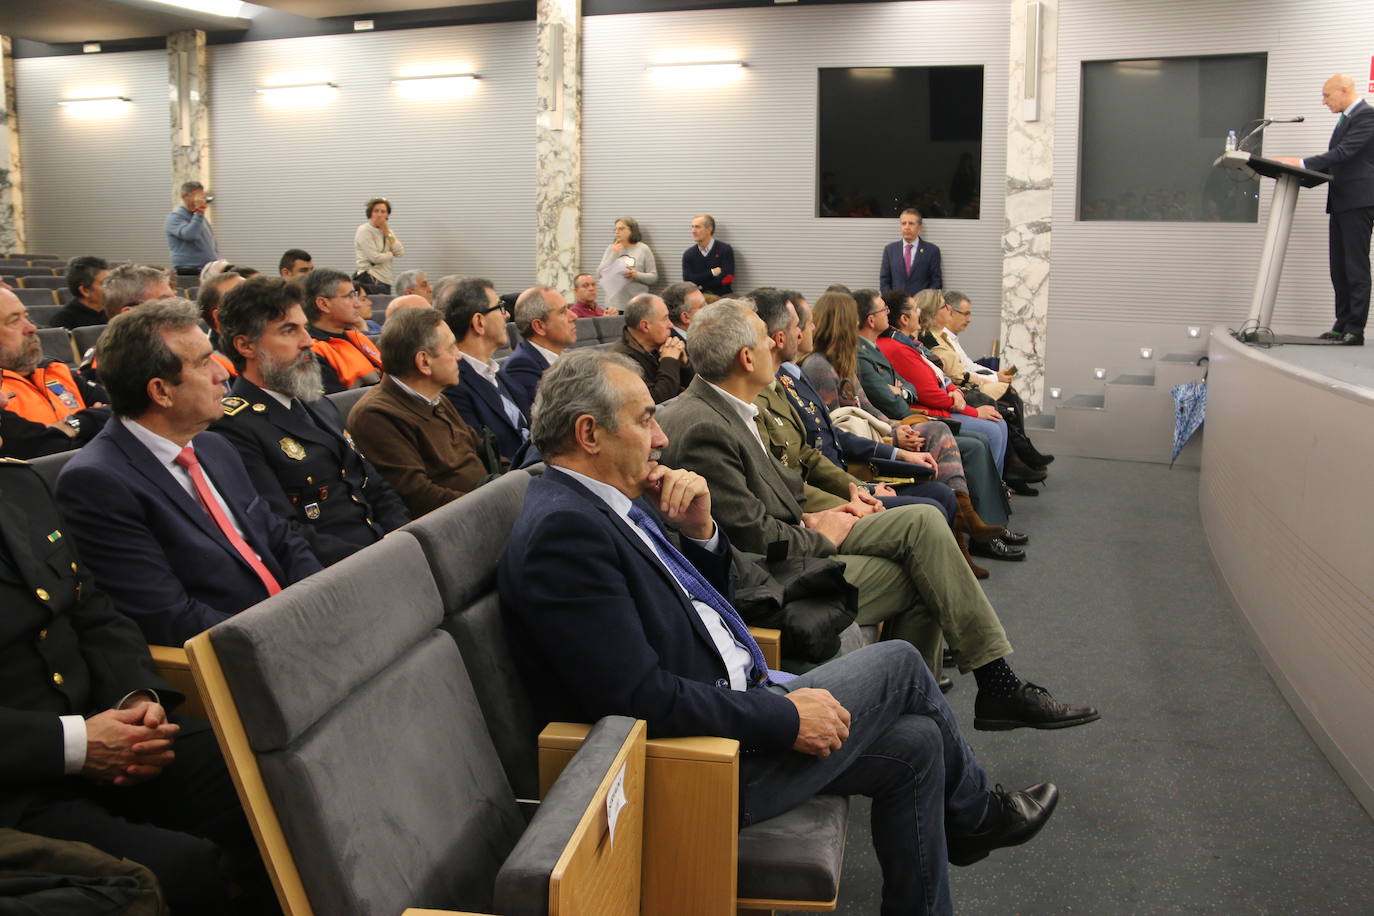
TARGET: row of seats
(31,256)
(24,271)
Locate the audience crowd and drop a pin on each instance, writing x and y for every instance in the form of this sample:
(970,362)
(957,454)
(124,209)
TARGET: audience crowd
(220,450)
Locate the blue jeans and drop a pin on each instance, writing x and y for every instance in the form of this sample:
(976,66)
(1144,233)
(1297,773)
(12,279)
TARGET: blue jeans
(924,492)
(905,751)
(996,433)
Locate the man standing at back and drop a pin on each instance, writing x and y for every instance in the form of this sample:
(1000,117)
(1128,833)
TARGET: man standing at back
(189,236)
(909,263)
(710,263)
(1350,201)
(162,511)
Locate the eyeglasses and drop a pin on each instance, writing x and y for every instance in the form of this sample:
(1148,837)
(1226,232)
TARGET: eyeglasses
(962,312)
(499,305)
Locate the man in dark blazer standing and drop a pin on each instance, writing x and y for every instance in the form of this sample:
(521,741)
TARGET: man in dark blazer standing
(478,320)
(710,263)
(90,753)
(289,435)
(162,511)
(909,263)
(618,616)
(547,328)
(1349,160)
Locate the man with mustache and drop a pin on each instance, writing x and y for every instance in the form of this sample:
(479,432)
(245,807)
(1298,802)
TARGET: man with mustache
(292,439)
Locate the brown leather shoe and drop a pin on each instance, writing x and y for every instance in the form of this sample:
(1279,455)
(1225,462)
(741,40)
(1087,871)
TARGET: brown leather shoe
(978,571)
(967,520)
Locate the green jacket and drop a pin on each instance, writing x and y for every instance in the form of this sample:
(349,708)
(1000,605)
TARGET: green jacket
(826,485)
(875,374)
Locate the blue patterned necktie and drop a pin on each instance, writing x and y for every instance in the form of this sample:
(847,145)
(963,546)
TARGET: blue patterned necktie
(700,590)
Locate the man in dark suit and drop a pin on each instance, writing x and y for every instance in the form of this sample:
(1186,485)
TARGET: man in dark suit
(90,754)
(683,300)
(290,436)
(163,512)
(710,263)
(619,618)
(548,328)
(1349,160)
(909,263)
(477,318)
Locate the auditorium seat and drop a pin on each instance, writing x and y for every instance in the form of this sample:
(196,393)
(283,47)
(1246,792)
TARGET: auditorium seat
(49,466)
(57,344)
(41,279)
(344,400)
(173,666)
(586,333)
(84,338)
(609,327)
(30,256)
(357,746)
(37,297)
(693,843)
(40,315)
(379,304)
(14,262)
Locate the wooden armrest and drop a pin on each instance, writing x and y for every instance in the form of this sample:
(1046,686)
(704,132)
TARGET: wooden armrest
(770,641)
(691,817)
(172,665)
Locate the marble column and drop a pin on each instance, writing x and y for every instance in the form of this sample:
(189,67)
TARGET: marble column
(1030,184)
(187,78)
(12,234)
(558,143)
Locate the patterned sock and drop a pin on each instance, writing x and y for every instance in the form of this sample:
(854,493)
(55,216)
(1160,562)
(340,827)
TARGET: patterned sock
(997,678)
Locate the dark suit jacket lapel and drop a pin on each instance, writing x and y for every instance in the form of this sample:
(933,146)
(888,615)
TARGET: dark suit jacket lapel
(146,464)
(822,415)
(638,544)
(487,393)
(767,464)
(220,475)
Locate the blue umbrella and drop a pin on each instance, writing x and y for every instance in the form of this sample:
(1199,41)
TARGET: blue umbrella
(1190,409)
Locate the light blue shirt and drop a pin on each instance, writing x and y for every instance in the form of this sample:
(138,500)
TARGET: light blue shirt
(190,238)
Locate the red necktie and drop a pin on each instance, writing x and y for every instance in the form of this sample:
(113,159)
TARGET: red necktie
(909,247)
(187,459)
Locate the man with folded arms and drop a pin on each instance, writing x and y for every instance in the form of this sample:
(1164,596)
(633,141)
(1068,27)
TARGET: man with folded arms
(904,561)
(616,580)
(410,431)
(162,511)
(649,341)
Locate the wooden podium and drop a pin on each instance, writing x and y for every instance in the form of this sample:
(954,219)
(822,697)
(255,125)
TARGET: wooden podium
(1287,182)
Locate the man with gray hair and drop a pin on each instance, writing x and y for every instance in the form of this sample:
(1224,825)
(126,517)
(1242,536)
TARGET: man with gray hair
(547,326)
(189,236)
(904,561)
(162,511)
(413,282)
(648,340)
(412,433)
(683,300)
(614,584)
(290,436)
(128,285)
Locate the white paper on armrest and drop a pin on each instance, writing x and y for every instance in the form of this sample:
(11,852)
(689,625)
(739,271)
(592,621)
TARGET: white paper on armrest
(615,800)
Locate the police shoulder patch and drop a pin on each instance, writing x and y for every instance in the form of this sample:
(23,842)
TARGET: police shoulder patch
(233,405)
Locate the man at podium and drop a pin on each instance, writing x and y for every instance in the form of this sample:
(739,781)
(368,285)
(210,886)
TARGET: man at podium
(1349,160)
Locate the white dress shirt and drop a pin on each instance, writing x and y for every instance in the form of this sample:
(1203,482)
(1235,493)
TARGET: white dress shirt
(737,658)
(549,356)
(166,451)
(747,412)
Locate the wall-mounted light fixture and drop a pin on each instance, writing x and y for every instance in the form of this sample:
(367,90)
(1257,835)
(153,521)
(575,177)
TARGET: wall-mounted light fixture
(705,74)
(1056,392)
(98,106)
(91,47)
(1099,373)
(437,86)
(1147,352)
(1194,332)
(230,8)
(94,99)
(299,93)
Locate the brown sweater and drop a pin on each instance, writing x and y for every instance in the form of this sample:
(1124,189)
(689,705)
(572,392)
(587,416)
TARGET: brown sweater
(427,453)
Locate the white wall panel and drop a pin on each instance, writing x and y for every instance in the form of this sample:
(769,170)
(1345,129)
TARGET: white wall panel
(459,172)
(1201,273)
(96,185)
(747,153)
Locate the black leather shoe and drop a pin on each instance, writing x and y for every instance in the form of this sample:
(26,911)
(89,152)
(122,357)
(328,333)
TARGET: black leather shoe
(1330,335)
(1014,538)
(1352,340)
(1013,818)
(947,659)
(945,684)
(1021,488)
(1023,475)
(995,549)
(1030,707)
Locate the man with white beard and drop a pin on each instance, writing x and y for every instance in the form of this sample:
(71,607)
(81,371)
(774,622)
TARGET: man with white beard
(292,438)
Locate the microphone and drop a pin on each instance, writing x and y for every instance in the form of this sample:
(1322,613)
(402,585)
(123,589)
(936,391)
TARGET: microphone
(1265,122)
(1298,120)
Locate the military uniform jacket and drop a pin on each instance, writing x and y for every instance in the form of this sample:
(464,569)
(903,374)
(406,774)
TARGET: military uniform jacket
(309,472)
(827,486)
(64,649)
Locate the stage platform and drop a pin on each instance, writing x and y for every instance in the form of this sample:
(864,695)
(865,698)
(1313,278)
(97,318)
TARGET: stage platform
(1287,504)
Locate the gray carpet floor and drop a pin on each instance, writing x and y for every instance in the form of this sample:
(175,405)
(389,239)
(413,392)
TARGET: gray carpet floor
(1198,791)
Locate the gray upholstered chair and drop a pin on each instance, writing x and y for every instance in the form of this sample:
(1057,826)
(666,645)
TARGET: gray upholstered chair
(696,859)
(358,749)
(85,337)
(57,344)
(344,400)
(609,327)
(41,303)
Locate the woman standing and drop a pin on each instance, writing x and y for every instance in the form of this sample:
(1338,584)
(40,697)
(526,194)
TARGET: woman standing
(375,247)
(635,260)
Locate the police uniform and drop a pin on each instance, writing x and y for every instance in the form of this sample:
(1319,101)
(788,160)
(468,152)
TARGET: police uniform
(306,466)
(65,651)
